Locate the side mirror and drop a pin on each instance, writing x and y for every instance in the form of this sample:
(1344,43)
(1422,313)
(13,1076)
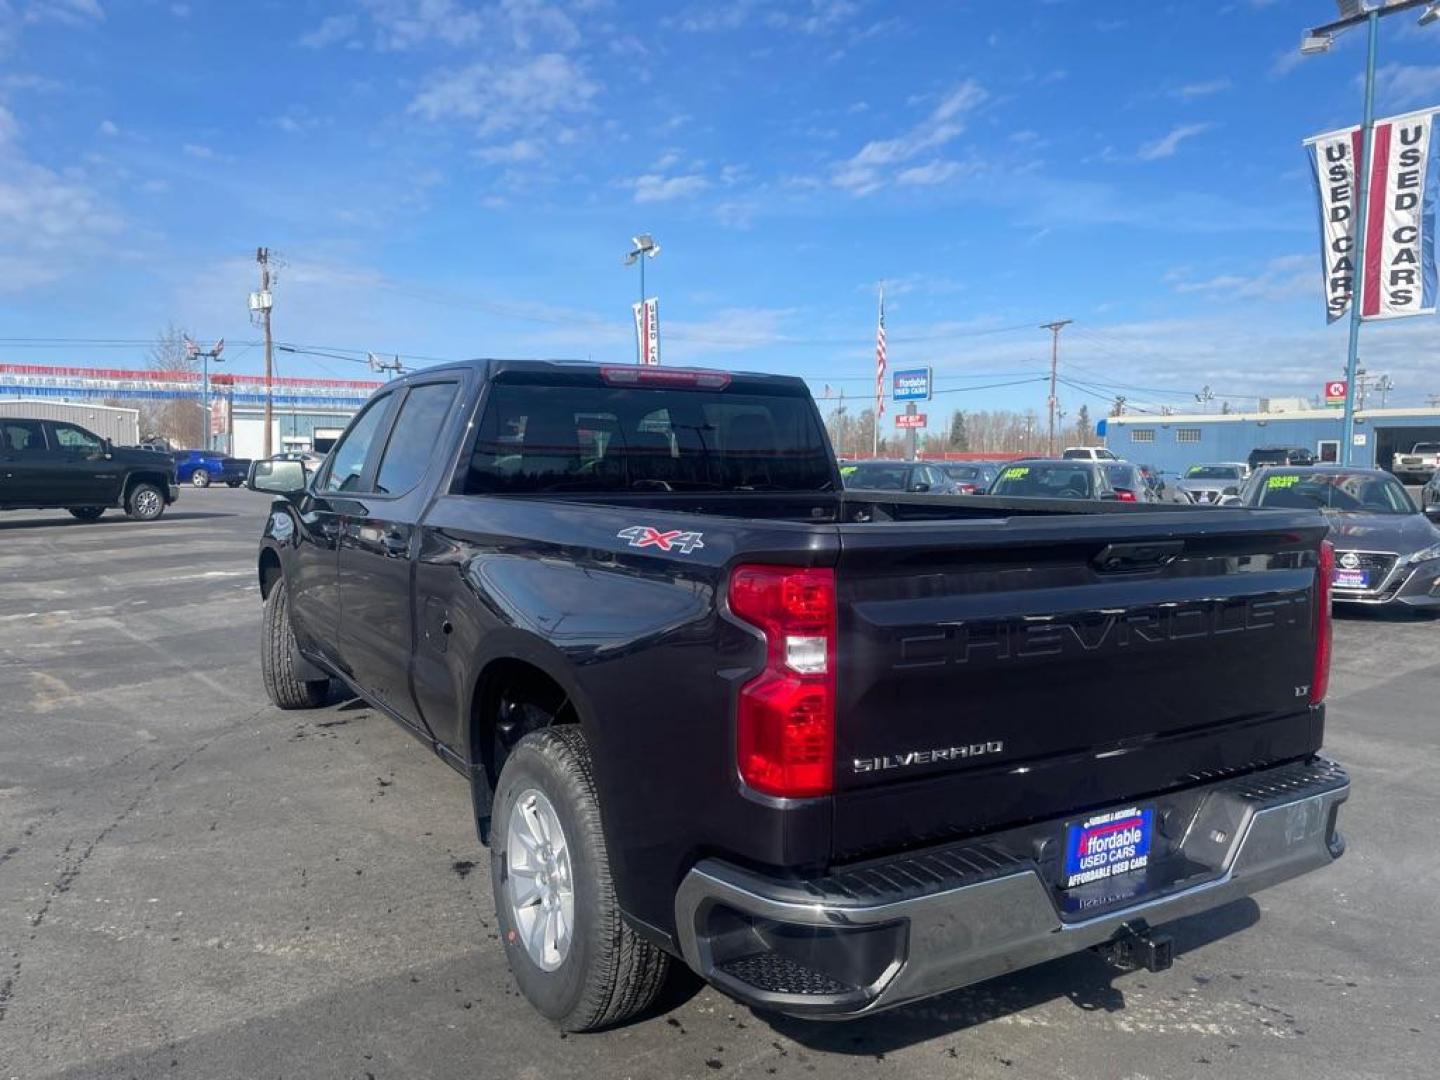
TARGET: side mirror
(920,487)
(276,477)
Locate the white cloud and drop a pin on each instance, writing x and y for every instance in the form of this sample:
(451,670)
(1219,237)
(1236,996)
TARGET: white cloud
(935,172)
(512,153)
(196,150)
(1166,145)
(51,223)
(822,17)
(333,30)
(70,12)
(870,168)
(652,187)
(1191,91)
(402,25)
(180,11)
(9,126)
(1403,85)
(109,128)
(523,96)
(1284,278)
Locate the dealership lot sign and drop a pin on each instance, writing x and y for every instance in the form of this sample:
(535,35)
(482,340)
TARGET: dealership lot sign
(1398,278)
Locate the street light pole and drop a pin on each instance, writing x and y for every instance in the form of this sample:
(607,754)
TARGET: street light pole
(1318,40)
(1352,354)
(645,248)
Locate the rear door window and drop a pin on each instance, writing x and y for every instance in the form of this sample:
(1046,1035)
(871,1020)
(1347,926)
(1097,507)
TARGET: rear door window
(22,437)
(70,437)
(412,439)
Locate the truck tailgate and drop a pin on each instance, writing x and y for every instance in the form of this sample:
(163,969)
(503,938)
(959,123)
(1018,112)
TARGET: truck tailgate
(992,672)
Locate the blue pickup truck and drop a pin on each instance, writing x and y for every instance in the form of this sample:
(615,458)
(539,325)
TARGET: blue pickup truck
(202,468)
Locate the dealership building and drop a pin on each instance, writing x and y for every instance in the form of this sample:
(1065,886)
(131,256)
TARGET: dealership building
(306,413)
(1174,443)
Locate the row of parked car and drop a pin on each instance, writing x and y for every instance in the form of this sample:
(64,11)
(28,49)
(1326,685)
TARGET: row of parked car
(1386,547)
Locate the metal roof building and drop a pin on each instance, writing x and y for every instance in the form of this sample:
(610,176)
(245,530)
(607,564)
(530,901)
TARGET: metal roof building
(120,426)
(1174,443)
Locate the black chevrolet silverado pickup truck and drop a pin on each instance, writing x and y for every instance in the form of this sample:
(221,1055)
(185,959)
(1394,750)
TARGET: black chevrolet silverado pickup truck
(835,750)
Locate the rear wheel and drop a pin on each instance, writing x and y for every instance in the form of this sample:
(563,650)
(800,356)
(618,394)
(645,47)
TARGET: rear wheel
(277,657)
(200,478)
(145,502)
(573,955)
(87,513)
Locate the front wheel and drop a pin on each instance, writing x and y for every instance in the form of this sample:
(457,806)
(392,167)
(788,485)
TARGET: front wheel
(200,478)
(573,955)
(145,502)
(87,513)
(277,657)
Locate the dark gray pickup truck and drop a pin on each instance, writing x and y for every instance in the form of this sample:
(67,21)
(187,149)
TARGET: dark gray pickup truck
(835,750)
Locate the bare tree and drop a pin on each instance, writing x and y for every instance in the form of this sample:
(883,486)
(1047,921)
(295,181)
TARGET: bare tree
(178,418)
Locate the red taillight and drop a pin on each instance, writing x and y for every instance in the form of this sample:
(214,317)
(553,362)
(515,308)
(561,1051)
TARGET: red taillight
(1124,496)
(967,489)
(1324,572)
(785,726)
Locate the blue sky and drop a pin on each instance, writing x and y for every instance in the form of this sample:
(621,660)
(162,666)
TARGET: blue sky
(444,179)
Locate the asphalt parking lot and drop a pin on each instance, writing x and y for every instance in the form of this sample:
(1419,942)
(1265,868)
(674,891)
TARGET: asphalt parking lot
(195,884)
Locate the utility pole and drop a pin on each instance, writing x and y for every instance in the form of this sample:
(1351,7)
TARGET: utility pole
(261,302)
(1054,328)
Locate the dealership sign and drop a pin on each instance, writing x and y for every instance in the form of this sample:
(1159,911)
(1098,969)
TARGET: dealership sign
(912,384)
(1335,393)
(1398,277)
(910,420)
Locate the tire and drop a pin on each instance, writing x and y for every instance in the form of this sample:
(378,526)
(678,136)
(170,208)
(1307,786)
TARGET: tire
(144,502)
(607,973)
(200,478)
(87,513)
(277,657)
(232,483)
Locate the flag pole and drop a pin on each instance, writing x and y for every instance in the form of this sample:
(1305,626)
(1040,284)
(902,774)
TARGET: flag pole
(879,374)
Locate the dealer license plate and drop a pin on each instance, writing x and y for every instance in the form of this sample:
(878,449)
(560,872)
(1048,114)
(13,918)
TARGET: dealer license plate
(1108,845)
(1352,579)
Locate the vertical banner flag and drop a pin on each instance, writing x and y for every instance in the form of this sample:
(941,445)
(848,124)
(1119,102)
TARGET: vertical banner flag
(1333,158)
(1398,278)
(647,330)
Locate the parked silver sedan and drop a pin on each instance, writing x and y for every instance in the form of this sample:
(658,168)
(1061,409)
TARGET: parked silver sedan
(1206,485)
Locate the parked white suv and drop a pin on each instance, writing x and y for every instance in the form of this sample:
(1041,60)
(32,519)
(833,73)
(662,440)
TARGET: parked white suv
(1089,453)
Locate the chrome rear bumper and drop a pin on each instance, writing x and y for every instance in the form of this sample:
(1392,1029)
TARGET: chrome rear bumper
(892,931)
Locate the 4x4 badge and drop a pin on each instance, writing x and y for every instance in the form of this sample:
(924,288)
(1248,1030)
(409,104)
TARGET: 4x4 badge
(641,536)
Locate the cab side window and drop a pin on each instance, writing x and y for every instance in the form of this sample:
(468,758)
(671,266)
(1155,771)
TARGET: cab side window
(70,437)
(21,436)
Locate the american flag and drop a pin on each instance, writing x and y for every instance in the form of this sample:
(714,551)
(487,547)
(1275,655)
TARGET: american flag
(880,365)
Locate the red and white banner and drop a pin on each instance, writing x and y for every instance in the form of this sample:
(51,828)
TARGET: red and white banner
(1399,275)
(910,420)
(647,330)
(220,415)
